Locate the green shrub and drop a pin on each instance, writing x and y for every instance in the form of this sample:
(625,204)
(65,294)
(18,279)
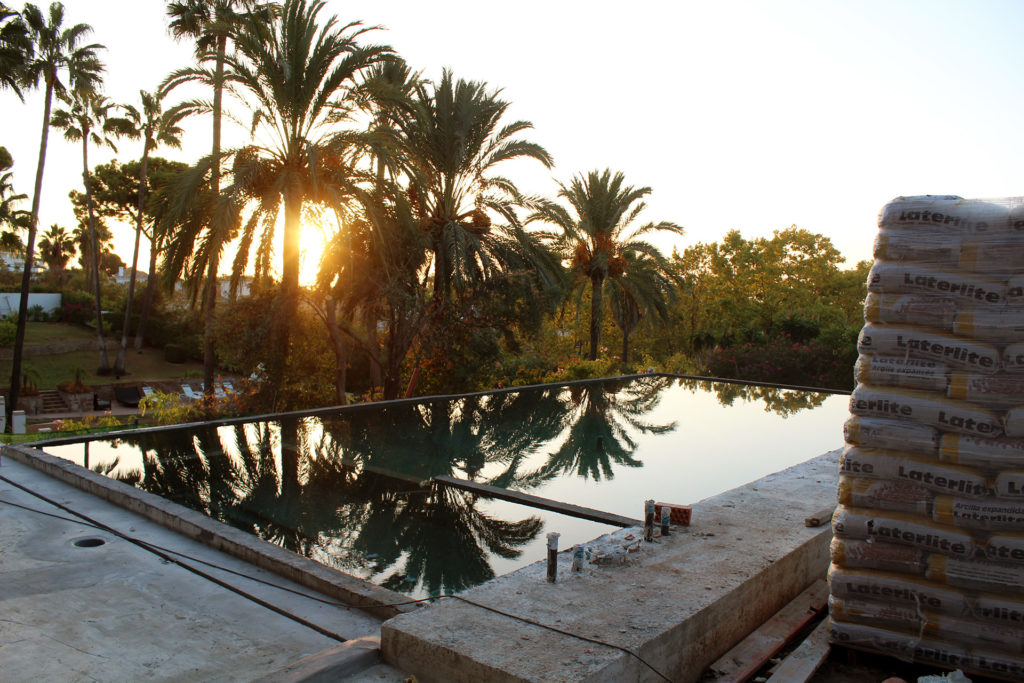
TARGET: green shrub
(8,330)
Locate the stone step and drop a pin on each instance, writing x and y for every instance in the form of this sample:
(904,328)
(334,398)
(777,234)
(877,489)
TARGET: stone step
(52,402)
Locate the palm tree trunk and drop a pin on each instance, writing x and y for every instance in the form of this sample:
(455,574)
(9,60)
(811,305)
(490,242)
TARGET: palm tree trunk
(596,311)
(119,363)
(26,276)
(340,353)
(288,298)
(625,347)
(104,368)
(147,302)
(209,348)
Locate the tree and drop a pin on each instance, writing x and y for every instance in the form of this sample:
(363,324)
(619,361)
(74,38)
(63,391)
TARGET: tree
(115,196)
(56,52)
(15,48)
(598,242)
(12,219)
(450,144)
(645,289)
(211,24)
(154,127)
(56,248)
(87,119)
(296,76)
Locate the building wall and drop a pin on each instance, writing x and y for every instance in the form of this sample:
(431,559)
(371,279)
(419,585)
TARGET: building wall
(9,302)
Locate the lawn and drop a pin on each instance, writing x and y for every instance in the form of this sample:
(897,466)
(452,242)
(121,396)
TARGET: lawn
(149,365)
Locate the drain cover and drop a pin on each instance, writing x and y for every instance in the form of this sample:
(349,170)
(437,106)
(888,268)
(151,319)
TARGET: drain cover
(89,542)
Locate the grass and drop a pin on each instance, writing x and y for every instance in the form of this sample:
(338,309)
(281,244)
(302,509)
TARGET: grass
(57,333)
(149,365)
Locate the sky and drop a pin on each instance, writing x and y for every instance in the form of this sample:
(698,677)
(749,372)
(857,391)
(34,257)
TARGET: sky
(738,114)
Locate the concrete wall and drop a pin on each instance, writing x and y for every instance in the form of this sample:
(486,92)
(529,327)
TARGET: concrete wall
(9,302)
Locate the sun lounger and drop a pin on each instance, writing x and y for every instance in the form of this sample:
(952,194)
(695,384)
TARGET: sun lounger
(99,403)
(189,394)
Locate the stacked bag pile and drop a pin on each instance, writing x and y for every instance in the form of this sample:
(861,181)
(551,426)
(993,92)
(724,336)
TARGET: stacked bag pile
(928,555)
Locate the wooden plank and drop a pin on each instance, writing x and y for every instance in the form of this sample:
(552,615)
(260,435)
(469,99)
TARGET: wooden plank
(804,661)
(820,517)
(744,660)
(538,502)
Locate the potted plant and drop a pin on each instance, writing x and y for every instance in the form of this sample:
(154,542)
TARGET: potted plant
(29,398)
(76,393)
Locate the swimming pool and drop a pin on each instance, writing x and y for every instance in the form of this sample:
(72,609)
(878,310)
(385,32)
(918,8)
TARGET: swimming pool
(354,488)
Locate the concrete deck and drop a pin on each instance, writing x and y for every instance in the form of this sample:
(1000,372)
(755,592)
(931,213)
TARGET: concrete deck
(119,612)
(679,603)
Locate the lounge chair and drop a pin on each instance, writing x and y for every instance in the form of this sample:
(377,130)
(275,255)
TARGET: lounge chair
(128,396)
(147,391)
(100,403)
(189,394)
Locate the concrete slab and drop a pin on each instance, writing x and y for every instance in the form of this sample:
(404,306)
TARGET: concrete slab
(678,603)
(111,610)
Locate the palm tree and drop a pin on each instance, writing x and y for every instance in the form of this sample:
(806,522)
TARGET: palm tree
(56,52)
(87,119)
(14,219)
(15,49)
(597,241)
(646,288)
(154,127)
(211,24)
(450,139)
(296,76)
(56,248)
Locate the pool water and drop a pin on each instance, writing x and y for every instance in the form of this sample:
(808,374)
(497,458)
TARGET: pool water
(352,488)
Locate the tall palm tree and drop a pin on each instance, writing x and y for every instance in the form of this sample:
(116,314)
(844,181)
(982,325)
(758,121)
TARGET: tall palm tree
(57,53)
(211,24)
(15,49)
(56,247)
(88,119)
(597,239)
(452,141)
(154,127)
(296,75)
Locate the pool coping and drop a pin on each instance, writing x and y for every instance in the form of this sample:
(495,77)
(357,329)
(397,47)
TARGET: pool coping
(679,604)
(332,582)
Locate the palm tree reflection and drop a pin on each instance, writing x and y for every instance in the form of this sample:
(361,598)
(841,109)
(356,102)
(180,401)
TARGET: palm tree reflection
(354,490)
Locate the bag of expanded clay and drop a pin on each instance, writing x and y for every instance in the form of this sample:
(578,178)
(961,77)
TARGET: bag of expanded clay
(888,557)
(909,373)
(977,575)
(1015,290)
(899,589)
(927,408)
(1010,484)
(887,277)
(996,453)
(979,513)
(932,214)
(933,475)
(885,494)
(902,645)
(938,249)
(1013,422)
(998,391)
(1005,547)
(973,634)
(897,527)
(1013,358)
(905,618)
(899,435)
(924,344)
(910,309)
(995,326)
(1000,255)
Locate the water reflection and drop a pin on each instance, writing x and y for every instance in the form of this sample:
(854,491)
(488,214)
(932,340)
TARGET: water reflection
(782,402)
(353,489)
